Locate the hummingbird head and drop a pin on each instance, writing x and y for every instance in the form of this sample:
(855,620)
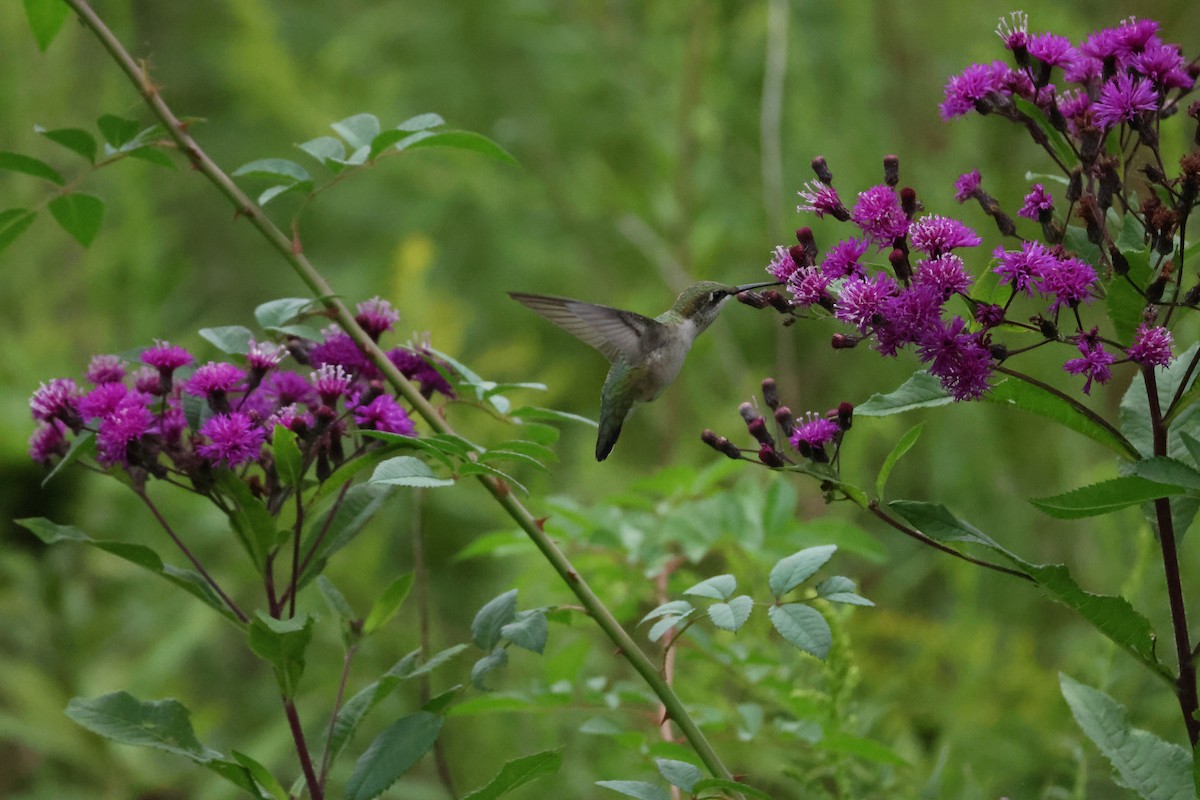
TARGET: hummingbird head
(702,301)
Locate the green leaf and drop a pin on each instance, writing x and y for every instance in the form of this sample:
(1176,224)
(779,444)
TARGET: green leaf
(388,603)
(840,589)
(718,587)
(349,516)
(334,598)
(46,18)
(1155,769)
(732,615)
(1123,300)
(249,517)
(139,555)
(394,751)
(519,772)
(277,313)
(288,462)
(526,413)
(790,572)
(262,776)
(672,608)
(461,140)
(1043,403)
(732,786)
(803,627)
(1169,471)
(660,628)
(117,131)
(1065,154)
(479,468)
(28,165)
(282,642)
(903,446)
(277,169)
(13,223)
(160,724)
(530,630)
(485,666)
(1104,497)
(407,471)
(495,614)
(938,522)
(921,390)
(326,149)
(421,121)
(679,773)
(151,154)
(229,339)
(79,214)
(1135,407)
(638,789)
(358,130)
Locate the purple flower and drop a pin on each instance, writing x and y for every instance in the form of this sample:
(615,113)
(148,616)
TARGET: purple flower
(1151,346)
(1069,281)
(234,439)
(415,366)
(338,349)
(105,369)
(1073,104)
(879,215)
(1164,65)
(843,259)
(1014,34)
(292,418)
(1037,201)
(1052,49)
(964,90)
(934,235)
(1095,362)
(287,388)
(147,381)
(959,359)
(862,302)
(989,315)
(49,440)
(946,273)
(1103,44)
(1084,69)
(376,316)
(967,185)
(216,378)
(809,286)
(1024,268)
(103,400)
(57,399)
(782,265)
(1123,99)
(814,431)
(822,199)
(166,357)
(331,382)
(910,316)
(264,356)
(171,422)
(127,423)
(384,414)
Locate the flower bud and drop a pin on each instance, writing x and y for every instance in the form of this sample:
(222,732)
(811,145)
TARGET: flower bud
(845,415)
(891,170)
(770,456)
(747,411)
(770,393)
(783,416)
(844,341)
(822,170)
(720,444)
(758,429)
(752,299)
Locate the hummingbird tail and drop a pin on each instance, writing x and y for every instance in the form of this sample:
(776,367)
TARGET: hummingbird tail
(613,413)
(606,440)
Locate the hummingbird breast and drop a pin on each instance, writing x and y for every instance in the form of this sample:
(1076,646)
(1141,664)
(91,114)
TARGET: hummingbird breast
(662,364)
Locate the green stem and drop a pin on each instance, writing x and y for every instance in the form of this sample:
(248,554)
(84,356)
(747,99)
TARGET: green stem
(292,252)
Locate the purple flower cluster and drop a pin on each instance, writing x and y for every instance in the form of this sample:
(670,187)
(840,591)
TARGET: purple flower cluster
(159,421)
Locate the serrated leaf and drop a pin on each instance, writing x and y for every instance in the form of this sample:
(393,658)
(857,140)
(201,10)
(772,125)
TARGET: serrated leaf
(731,616)
(679,773)
(395,750)
(274,168)
(1124,299)
(666,623)
(530,630)
(160,724)
(732,786)
(13,223)
(637,789)
(17,162)
(229,339)
(922,390)
(903,446)
(325,537)
(495,614)
(46,18)
(388,603)
(1036,400)
(497,659)
(1104,497)
(672,607)
(117,131)
(519,772)
(282,643)
(1155,769)
(718,587)
(407,471)
(1169,471)
(249,517)
(790,572)
(802,626)
(79,214)
(358,130)
(262,776)
(938,522)
(840,589)
(480,468)
(334,598)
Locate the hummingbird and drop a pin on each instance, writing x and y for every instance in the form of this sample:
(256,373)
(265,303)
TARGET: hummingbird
(646,354)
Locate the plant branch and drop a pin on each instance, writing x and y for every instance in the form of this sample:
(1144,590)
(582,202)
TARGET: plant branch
(316,789)
(291,251)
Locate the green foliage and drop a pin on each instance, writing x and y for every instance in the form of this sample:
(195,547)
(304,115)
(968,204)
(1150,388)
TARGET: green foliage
(392,754)
(517,773)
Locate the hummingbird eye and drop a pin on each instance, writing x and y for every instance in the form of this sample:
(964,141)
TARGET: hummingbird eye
(717,295)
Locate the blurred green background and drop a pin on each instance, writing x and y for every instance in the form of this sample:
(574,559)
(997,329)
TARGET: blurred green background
(649,156)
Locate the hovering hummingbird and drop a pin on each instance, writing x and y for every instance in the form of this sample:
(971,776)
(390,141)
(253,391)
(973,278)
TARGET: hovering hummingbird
(646,354)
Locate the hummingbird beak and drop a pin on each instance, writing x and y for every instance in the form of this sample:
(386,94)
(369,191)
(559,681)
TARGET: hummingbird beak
(748,286)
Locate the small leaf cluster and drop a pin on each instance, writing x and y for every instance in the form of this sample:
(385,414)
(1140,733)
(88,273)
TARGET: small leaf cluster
(499,625)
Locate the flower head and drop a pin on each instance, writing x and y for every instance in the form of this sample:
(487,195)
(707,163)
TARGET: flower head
(338,349)
(166,357)
(214,378)
(1069,281)
(331,382)
(959,359)
(1095,362)
(234,439)
(264,356)
(879,215)
(123,426)
(809,286)
(49,440)
(946,273)
(822,199)
(1024,268)
(844,259)
(1124,99)
(813,430)
(1151,346)
(934,234)
(1037,201)
(966,90)
(967,185)
(376,316)
(102,401)
(1052,49)
(862,302)
(58,399)
(782,265)
(105,369)
(384,414)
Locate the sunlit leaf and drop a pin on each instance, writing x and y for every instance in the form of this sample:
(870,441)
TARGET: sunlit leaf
(636,789)
(407,471)
(388,603)
(718,587)
(529,630)
(358,130)
(922,390)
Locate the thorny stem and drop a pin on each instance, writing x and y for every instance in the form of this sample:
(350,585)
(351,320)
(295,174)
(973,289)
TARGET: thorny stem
(292,252)
(1185,685)
(216,587)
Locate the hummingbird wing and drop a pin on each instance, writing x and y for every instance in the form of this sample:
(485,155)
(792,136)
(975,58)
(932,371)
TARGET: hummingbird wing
(613,332)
